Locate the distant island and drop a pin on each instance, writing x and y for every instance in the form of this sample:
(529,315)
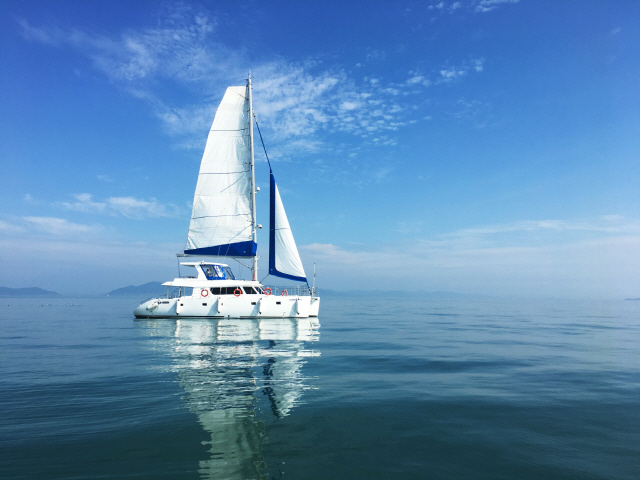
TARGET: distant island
(150,288)
(633,299)
(26,292)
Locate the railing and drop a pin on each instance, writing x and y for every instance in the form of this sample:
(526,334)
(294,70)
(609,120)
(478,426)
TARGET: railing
(302,291)
(180,292)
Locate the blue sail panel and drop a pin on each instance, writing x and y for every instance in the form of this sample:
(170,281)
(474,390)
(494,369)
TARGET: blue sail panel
(284,260)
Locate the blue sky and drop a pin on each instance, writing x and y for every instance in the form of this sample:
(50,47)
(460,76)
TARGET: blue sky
(486,146)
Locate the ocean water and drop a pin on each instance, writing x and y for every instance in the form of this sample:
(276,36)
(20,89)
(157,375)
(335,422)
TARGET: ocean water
(405,388)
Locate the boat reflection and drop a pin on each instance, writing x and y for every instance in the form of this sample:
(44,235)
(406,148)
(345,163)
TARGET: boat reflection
(238,376)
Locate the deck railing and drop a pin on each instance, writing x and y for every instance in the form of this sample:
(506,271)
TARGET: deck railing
(302,291)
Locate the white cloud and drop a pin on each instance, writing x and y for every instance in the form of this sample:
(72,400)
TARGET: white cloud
(349,105)
(58,226)
(488,5)
(599,258)
(295,102)
(126,206)
(481,6)
(39,35)
(606,224)
(9,228)
(419,80)
(452,73)
(380,174)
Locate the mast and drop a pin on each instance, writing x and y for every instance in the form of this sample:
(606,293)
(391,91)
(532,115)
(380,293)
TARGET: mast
(253,181)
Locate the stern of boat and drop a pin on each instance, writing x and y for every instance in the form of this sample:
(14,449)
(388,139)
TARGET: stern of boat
(314,307)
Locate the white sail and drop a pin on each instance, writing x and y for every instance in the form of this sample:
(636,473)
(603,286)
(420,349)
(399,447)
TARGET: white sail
(284,259)
(221,219)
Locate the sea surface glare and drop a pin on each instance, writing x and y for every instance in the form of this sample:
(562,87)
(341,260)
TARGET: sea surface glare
(404,388)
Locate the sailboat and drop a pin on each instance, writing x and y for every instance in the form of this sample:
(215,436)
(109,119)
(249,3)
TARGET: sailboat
(223,224)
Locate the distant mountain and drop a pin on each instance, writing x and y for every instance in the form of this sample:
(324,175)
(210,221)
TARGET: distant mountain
(26,292)
(151,288)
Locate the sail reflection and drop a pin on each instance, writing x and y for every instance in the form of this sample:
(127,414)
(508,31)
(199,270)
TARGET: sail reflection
(239,375)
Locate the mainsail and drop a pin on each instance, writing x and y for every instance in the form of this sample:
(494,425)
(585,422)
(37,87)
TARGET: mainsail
(284,259)
(221,219)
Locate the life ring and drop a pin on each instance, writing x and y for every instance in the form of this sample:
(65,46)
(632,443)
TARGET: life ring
(237,292)
(204,292)
(284,293)
(267,291)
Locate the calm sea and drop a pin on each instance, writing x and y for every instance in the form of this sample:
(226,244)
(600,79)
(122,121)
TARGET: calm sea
(426,388)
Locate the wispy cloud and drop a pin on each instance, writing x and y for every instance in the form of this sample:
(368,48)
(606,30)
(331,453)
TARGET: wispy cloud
(126,206)
(598,258)
(488,5)
(10,228)
(451,73)
(606,224)
(295,102)
(474,111)
(28,198)
(58,226)
(480,6)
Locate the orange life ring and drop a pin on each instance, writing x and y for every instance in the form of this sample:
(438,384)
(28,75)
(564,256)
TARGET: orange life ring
(267,291)
(284,293)
(237,292)
(204,292)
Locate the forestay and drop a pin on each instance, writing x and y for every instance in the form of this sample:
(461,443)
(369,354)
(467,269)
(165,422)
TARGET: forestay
(221,219)
(284,259)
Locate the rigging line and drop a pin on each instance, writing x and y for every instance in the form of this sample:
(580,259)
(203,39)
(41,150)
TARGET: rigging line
(261,140)
(242,263)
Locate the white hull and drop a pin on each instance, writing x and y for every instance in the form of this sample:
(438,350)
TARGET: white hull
(230,306)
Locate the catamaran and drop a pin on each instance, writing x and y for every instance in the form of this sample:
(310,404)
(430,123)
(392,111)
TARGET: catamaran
(223,224)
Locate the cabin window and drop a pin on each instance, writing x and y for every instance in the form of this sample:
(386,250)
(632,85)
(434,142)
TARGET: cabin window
(213,272)
(278,303)
(204,304)
(250,291)
(224,290)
